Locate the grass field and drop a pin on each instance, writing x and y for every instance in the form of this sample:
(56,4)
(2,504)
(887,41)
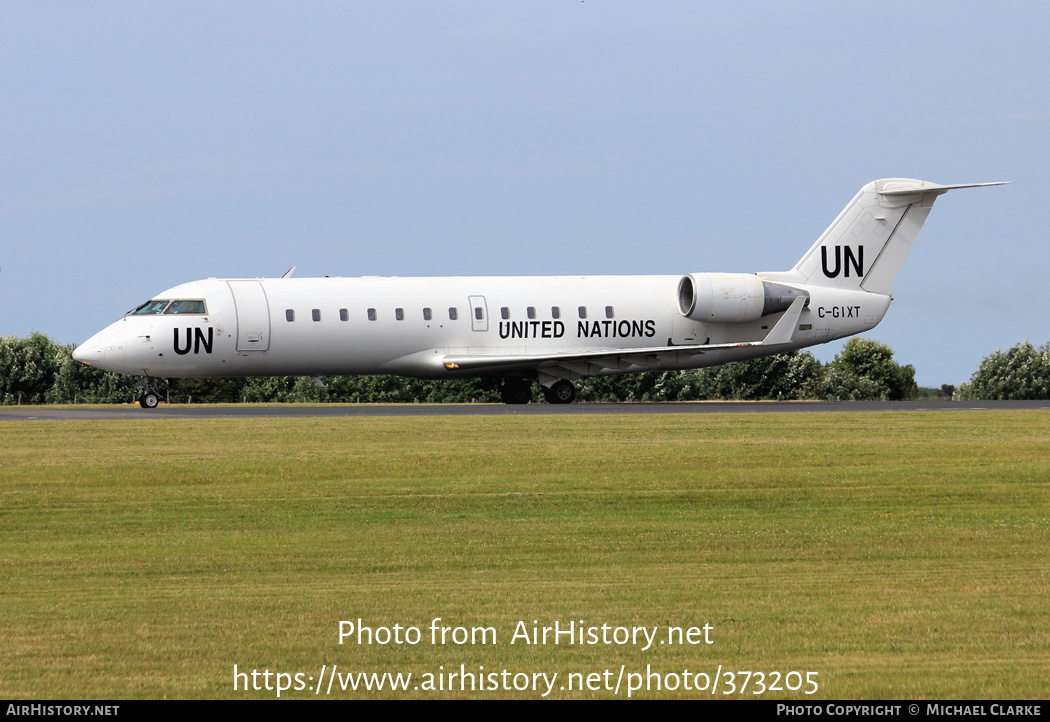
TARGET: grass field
(897,555)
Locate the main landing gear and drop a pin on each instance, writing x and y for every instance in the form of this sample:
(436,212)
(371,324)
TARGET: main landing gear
(149,396)
(517,390)
(560,392)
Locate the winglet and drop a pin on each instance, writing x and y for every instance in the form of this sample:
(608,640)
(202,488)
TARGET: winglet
(784,331)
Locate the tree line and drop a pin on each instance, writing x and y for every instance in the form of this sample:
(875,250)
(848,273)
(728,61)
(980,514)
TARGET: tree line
(36,370)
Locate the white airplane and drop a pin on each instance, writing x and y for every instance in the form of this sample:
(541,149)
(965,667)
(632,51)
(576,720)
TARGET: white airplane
(518,330)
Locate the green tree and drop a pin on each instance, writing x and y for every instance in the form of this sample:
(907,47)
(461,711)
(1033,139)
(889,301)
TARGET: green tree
(865,370)
(671,386)
(36,370)
(607,389)
(1022,372)
(457,391)
(79,383)
(204,391)
(27,368)
(788,376)
(286,389)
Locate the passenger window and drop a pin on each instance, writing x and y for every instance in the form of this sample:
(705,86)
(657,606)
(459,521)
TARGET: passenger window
(316,314)
(427,314)
(583,312)
(399,314)
(555,312)
(371,314)
(289,315)
(504,313)
(609,312)
(479,313)
(453,314)
(532,313)
(344,314)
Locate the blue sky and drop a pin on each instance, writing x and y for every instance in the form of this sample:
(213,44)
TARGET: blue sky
(147,144)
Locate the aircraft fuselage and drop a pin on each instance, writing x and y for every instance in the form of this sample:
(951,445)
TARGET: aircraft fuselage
(335,326)
(553,329)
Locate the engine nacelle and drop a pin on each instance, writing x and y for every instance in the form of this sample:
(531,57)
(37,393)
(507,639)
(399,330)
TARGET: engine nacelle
(732,297)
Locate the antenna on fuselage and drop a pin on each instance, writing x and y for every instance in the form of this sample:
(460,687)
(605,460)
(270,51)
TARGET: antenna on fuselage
(289,272)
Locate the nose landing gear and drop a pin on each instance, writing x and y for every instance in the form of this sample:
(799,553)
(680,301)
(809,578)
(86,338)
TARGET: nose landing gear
(149,397)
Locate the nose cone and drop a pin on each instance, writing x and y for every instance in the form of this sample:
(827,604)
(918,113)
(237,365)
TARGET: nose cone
(105,350)
(89,352)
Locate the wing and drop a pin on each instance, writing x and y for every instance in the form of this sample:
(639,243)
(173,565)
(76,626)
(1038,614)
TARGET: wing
(580,364)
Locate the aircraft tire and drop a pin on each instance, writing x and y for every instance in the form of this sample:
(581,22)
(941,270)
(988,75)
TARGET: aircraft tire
(560,392)
(149,400)
(515,391)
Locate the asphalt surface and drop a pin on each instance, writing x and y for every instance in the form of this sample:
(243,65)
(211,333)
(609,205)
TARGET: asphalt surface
(35,413)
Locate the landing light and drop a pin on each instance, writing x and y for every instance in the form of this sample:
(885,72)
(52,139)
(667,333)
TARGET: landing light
(452,365)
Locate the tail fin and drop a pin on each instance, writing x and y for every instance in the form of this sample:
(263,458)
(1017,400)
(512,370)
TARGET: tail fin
(866,245)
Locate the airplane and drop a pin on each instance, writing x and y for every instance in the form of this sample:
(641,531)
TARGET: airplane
(517,331)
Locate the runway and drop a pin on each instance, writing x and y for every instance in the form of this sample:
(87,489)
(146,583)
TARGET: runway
(247,411)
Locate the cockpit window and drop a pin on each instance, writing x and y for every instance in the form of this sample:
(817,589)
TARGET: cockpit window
(185,307)
(150,308)
(157,306)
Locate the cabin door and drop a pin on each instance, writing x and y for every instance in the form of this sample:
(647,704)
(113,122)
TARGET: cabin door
(479,314)
(253,315)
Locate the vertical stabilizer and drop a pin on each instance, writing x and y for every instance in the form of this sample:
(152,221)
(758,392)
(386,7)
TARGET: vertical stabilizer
(866,245)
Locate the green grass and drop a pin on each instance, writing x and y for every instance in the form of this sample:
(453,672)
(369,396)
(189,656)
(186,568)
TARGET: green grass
(898,555)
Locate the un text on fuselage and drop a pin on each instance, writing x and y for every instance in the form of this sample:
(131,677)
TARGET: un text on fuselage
(606,328)
(195,339)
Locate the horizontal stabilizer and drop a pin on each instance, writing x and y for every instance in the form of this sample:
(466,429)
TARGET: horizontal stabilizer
(907,186)
(784,331)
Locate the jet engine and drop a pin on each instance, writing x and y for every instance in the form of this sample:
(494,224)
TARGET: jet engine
(732,297)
